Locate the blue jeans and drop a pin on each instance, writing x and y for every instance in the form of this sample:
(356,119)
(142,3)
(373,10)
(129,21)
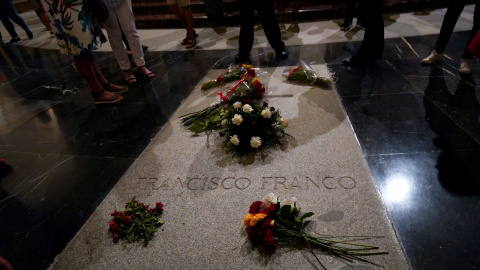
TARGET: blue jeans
(9,14)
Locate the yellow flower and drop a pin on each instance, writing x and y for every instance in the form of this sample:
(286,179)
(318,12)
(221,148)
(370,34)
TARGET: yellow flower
(256,79)
(247,219)
(256,219)
(247,66)
(272,223)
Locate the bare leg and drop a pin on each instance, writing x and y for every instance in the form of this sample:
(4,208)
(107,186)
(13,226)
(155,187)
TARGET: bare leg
(188,15)
(179,13)
(86,66)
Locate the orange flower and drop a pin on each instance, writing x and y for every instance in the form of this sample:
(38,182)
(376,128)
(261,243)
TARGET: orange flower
(247,219)
(256,219)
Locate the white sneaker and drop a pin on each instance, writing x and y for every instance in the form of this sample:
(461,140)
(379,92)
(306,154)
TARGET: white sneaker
(466,66)
(432,58)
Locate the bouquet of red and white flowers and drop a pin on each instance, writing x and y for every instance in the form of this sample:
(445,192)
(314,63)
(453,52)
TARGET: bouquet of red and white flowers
(137,222)
(250,126)
(304,73)
(247,89)
(274,223)
(233,72)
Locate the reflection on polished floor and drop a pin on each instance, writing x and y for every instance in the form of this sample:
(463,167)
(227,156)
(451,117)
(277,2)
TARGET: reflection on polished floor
(418,127)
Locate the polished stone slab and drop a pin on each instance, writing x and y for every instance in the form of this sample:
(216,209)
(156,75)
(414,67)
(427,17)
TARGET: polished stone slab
(207,193)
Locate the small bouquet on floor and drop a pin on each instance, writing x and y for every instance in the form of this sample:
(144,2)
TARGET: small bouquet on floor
(247,89)
(250,126)
(304,73)
(233,72)
(136,223)
(273,224)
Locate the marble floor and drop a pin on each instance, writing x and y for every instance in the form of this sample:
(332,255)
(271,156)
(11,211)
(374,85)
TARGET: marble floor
(418,127)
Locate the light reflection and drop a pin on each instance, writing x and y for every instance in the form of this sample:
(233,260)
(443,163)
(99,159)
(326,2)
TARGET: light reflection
(398,189)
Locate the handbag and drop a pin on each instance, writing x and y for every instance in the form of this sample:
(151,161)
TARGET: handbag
(97,9)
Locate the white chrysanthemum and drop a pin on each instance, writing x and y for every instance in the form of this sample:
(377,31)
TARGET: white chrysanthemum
(255,142)
(266,113)
(237,119)
(295,206)
(237,105)
(224,122)
(268,200)
(284,122)
(234,139)
(247,108)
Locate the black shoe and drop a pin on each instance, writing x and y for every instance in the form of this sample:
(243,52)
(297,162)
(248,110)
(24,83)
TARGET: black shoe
(29,33)
(360,62)
(241,59)
(282,55)
(346,25)
(14,40)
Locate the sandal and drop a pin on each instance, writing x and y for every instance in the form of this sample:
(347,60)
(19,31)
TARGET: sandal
(114,98)
(184,41)
(148,74)
(117,88)
(191,42)
(131,79)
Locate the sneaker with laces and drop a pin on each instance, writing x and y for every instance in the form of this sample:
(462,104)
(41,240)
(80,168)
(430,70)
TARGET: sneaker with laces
(466,66)
(432,58)
(14,40)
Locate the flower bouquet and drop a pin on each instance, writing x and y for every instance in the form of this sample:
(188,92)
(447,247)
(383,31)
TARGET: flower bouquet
(247,127)
(245,90)
(136,223)
(233,72)
(304,73)
(273,224)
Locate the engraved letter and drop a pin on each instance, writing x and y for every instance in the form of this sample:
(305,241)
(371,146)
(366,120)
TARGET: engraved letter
(327,182)
(293,185)
(223,181)
(280,182)
(214,182)
(347,182)
(308,179)
(263,181)
(191,179)
(240,187)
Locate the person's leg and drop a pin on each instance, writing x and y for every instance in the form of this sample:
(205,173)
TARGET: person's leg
(114,31)
(11,12)
(349,13)
(269,21)
(188,15)
(245,40)
(372,45)
(127,25)
(6,22)
(179,14)
(455,8)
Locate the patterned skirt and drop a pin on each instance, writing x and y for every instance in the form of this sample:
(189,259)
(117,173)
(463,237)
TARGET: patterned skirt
(74,28)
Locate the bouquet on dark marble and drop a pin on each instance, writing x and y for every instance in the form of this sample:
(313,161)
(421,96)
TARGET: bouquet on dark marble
(304,73)
(250,126)
(245,90)
(136,223)
(273,223)
(233,72)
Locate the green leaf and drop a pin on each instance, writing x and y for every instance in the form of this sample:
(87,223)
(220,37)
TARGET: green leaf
(306,215)
(298,222)
(286,209)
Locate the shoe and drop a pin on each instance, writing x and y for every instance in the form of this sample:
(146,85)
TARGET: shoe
(29,33)
(360,25)
(360,62)
(13,41)
(241,59)
(346,25)
(432,58)
(466,66)
(281,55)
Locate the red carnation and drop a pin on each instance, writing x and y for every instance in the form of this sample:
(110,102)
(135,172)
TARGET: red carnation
(159,206)
(270,241)
(255,234)
(255,207)
(271,209)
